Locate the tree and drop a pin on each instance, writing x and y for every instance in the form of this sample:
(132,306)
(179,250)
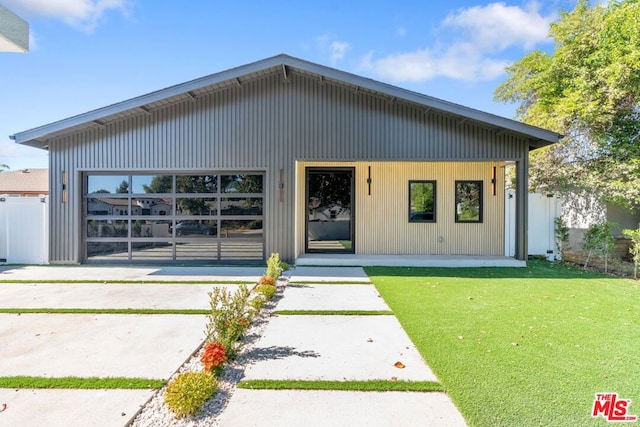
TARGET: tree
(598,240)
(4,167)
(589,90)
(123,188)
(634,248)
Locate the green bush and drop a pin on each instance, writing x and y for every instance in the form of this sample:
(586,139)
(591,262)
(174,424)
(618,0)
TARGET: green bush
(267,290)
(561,231)
(257,303)
(273,266)
(284,266)
(230,317)
(186,394)
(634,249)
(598,240)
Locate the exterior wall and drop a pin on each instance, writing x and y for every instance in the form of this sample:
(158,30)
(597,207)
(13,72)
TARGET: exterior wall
(265,125)
(381,219)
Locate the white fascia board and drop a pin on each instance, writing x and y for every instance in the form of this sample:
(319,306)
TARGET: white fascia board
(14,32)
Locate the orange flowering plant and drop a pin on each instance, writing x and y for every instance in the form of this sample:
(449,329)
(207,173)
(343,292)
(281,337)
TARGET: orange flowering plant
(215,354)
(266,280)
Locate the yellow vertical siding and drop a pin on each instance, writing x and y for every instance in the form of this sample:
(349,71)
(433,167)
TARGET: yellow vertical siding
(382,225)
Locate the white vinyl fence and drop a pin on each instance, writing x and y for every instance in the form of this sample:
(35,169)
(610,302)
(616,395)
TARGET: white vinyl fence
(24,230)
(543,209)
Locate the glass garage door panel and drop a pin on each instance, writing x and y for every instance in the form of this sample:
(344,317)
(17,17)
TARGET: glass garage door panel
(164,217)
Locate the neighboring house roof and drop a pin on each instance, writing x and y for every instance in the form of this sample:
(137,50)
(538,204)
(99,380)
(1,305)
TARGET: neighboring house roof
(284,65)
(25,182)
(14,32)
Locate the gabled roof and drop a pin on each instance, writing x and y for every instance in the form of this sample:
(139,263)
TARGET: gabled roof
(285,65)
(25,181)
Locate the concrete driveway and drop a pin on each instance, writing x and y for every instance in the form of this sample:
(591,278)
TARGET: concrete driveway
(98,345)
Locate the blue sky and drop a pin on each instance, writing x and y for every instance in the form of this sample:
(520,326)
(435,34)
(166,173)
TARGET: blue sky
(86,54)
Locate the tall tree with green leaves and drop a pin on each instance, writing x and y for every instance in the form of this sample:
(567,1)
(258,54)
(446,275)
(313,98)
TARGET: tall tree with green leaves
(588,89)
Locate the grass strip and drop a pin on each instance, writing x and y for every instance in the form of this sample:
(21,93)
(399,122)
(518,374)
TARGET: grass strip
(130,282)
(101,311)
(91,383)
(334,312)
(328,282)
(370,385)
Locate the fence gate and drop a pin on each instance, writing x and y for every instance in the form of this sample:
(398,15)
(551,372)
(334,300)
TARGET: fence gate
(24,230)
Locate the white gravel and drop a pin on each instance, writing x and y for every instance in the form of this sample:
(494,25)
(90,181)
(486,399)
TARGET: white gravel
(155,413)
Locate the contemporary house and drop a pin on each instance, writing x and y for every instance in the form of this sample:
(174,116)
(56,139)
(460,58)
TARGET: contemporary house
(282,155)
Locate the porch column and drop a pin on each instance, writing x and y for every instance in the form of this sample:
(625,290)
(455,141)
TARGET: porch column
(522,208)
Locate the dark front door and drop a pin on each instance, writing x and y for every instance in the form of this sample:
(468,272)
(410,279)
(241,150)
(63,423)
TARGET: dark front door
(330,217)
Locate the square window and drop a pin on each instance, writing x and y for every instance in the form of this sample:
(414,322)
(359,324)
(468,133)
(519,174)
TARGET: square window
(422,201)
(468,201)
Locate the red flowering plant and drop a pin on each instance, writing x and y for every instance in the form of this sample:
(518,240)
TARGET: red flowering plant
(266,280)
(215,354)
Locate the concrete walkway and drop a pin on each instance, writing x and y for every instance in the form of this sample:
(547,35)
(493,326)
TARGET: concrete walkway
(336,347)
(98,345)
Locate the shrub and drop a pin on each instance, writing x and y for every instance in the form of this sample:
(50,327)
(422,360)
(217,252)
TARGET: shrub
(273,266)
(267,290)
(257,303)
(598,240)
(561,231)
(230,317)
(186,394)
(284,266)
(634,249)
(266,280)
(215,354)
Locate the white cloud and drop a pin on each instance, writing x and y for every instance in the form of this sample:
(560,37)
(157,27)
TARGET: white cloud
(338,50)
(477,38)
(335,49)
(498,26)
(82,14)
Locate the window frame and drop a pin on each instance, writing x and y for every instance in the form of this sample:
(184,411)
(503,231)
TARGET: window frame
(480,184)
(434,183)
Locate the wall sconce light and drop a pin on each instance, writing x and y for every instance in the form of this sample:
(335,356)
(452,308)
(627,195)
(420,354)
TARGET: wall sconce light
(281,185)
(64,187)
(493,181)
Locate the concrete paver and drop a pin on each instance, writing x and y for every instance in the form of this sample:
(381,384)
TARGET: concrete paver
(94,295)
(63,408)
(339,408)
(331,297)
(102,345)
(336,348)
(167,274)
(334,274)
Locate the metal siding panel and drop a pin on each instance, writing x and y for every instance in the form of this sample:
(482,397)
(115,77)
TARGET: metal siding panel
(267,124)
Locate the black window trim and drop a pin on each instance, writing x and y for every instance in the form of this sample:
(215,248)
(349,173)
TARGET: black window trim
(435,200)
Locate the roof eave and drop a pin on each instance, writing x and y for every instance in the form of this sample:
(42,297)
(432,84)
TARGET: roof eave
(37,137)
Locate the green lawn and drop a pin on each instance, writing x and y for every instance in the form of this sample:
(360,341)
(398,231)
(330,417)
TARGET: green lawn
(521,346)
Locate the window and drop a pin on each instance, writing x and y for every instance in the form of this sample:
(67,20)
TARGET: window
(468,201)
(422,201)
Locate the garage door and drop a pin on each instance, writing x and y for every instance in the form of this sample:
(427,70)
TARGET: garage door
(214,216)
